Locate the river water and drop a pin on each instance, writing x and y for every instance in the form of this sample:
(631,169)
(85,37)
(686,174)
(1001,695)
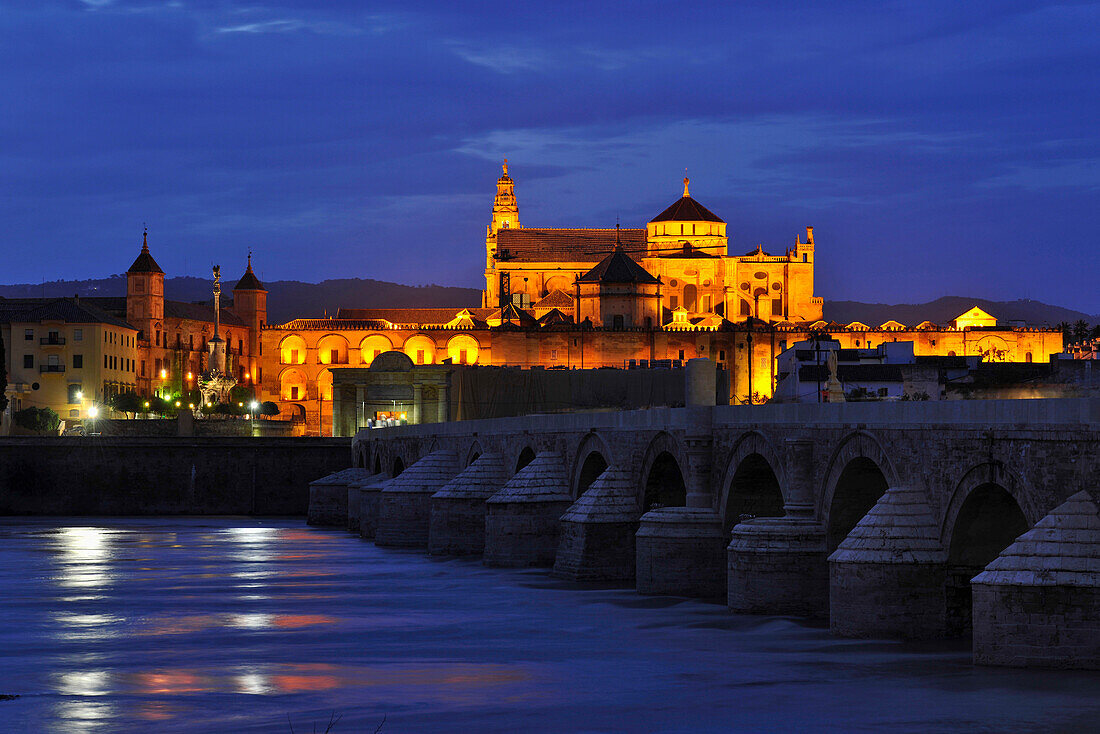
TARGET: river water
(245,625)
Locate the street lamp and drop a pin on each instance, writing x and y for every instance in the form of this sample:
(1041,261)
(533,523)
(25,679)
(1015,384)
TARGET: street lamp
(252,415)
(92,413)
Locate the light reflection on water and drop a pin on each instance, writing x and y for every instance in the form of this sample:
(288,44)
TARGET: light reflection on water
(234,625)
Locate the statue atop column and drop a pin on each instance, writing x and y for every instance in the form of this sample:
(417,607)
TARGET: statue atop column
(215,384)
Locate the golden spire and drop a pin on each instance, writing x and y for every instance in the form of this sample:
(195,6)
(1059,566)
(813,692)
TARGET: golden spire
(505,166)
(686,179)
(145,240)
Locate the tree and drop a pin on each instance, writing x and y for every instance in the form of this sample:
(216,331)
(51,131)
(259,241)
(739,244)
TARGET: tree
(128,402)
(1095,334)
(268,408)
(39,420)
(1080,331)
(1067,331)
(158,405)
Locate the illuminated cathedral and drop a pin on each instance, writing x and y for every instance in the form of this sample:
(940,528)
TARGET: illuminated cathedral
(683,268)
(633,297)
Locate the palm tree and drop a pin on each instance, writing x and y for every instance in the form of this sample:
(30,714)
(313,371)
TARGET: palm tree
(1080,331)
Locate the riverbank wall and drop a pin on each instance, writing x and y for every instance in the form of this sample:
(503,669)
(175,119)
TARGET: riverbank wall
(117,475)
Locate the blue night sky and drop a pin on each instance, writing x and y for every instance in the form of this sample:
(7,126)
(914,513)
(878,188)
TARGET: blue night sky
(936,147)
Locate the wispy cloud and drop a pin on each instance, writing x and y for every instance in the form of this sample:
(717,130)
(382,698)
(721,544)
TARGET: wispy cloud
(291,25)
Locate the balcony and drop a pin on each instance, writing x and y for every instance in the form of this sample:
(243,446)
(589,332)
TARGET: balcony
(52,341)
(51,368)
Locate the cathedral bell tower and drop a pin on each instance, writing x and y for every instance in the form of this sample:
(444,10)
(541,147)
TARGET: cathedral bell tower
(505,216)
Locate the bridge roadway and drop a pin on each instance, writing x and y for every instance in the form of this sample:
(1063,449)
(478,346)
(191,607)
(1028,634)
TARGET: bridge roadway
(894,519)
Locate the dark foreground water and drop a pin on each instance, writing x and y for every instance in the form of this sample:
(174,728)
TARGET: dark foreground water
(239,625)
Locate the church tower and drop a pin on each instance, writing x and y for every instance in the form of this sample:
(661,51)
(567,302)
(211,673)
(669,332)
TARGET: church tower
(505,216)
(250,304)
(144,292)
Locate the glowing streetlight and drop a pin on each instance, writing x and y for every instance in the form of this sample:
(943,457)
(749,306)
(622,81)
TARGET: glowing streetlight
(79,395)
(93,412)
(164,374)
(177,403)
(189,376)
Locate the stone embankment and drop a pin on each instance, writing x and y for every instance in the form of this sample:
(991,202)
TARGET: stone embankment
(109,475)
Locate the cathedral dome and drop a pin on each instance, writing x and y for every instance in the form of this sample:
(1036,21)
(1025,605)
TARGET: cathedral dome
(687,209)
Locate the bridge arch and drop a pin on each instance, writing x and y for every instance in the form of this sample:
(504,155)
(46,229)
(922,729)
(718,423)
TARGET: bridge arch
(987,512)
(526,456)
(593,457)
(662,482)
(860,471)
(474,452)
(754,481)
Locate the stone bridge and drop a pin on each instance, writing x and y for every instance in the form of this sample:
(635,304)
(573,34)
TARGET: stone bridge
(899,519)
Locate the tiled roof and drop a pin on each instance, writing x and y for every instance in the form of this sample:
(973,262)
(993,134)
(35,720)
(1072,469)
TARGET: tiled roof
(329,325)
(687,209)
(618,267)
(421,316)
(566,245)
(249,281)
(554,316)
(556,299)
(145,262)
(68,310)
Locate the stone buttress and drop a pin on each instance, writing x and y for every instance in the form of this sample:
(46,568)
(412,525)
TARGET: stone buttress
(522,520)
(328,497)
(886,579)
(1038,603)
(363,504)
(404,504)
(458,509)
(597,541)
(681,551)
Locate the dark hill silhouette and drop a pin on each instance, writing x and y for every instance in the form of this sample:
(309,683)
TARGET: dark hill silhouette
(289,299)
(286,300)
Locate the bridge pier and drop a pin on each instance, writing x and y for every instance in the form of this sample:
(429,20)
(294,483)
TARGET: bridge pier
(1038,603)
(597,531)
(681,551)
(887,577)
(356,490)
(367,493)
(458,509)
(328,497)
(522,520)
(778,565)
(404,506)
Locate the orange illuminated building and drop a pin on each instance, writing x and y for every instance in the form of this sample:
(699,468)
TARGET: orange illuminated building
(586,298)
